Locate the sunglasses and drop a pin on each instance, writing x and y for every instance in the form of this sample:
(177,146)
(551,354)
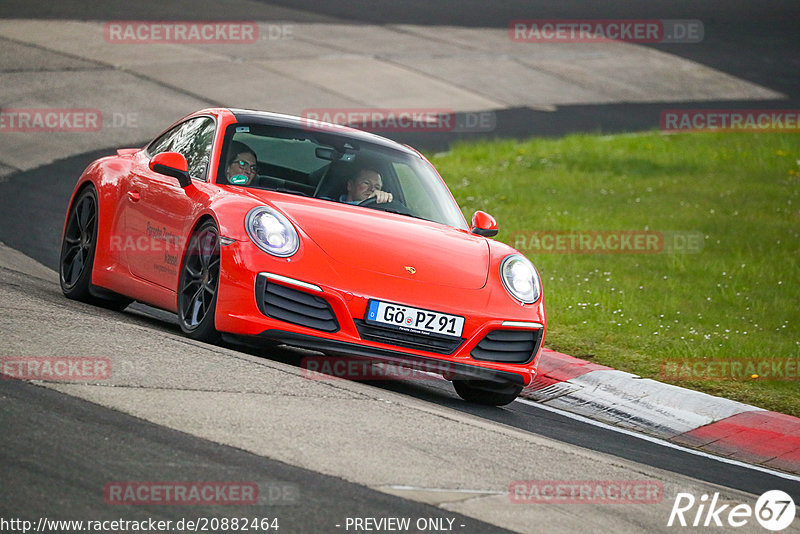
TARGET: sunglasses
(244,164)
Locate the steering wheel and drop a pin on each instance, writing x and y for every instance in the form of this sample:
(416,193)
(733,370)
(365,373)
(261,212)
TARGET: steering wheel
(393,206)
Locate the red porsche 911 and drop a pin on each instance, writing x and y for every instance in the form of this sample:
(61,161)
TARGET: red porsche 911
(307,234)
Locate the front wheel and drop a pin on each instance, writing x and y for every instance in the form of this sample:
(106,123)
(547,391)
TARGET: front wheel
(486,392)
(198,285)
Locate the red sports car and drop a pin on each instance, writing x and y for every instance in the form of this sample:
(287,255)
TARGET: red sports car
(308,234)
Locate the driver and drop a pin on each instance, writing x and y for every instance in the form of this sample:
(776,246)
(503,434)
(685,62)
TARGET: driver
(365,184)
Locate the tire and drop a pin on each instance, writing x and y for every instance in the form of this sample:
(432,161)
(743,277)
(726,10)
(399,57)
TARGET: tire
(78,249)
(199,283)
(486,392)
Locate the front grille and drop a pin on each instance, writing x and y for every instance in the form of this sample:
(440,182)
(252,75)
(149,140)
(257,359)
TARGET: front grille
(508,346)
(294,306)
(408,340)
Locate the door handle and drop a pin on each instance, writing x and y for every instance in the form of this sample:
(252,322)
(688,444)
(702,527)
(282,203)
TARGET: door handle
(133,195)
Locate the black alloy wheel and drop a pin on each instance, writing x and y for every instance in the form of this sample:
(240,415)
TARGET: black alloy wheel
(78,249)
(198,285)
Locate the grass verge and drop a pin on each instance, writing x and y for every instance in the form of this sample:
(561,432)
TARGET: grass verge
(731,292)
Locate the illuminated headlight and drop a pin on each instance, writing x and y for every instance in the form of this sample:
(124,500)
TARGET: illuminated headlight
(271,232)
(520,279)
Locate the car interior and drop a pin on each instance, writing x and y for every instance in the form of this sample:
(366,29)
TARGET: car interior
(303,166)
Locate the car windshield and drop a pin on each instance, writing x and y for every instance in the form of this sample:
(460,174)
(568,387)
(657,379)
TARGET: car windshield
(320,165)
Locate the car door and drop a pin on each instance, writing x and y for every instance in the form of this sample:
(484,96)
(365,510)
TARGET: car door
(159,209)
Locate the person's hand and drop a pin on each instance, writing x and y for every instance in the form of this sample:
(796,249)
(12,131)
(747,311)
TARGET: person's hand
(382,196)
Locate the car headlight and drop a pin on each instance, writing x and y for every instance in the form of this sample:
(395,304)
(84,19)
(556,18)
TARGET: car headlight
(271,231)
(520,279)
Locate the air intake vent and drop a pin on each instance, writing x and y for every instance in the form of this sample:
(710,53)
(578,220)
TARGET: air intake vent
(508,346)
(294,306)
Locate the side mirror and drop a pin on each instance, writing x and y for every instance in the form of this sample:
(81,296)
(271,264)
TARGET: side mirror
(483,224)
(171,164)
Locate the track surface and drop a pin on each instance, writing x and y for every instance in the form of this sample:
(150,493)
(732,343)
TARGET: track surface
(80,445)
(17,234)
(58,450)
(751,40)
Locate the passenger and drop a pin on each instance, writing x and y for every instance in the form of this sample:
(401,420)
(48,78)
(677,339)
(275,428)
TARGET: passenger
(242,168)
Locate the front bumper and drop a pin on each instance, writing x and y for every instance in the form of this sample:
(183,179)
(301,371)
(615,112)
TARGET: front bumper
(303,303)
(448,369)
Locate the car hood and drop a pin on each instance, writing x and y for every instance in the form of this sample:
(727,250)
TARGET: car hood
(391,244)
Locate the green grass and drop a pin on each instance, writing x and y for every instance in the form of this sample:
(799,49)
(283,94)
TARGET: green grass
(738,298)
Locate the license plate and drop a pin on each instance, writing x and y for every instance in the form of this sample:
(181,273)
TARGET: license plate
(414,320)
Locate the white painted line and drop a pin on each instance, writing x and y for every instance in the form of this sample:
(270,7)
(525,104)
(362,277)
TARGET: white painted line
(661,442)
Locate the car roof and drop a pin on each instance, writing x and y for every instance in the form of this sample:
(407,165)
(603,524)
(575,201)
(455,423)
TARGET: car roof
(292,121)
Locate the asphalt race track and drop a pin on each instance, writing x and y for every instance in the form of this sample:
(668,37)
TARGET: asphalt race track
(520,415)
(753,41)
(320,451)
(91,440)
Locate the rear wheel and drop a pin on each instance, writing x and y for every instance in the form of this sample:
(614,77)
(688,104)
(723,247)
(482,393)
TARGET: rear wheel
(486,392)
(198,285)
(77,254)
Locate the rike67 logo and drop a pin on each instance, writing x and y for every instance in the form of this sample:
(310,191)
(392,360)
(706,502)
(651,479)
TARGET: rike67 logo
(774,510)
